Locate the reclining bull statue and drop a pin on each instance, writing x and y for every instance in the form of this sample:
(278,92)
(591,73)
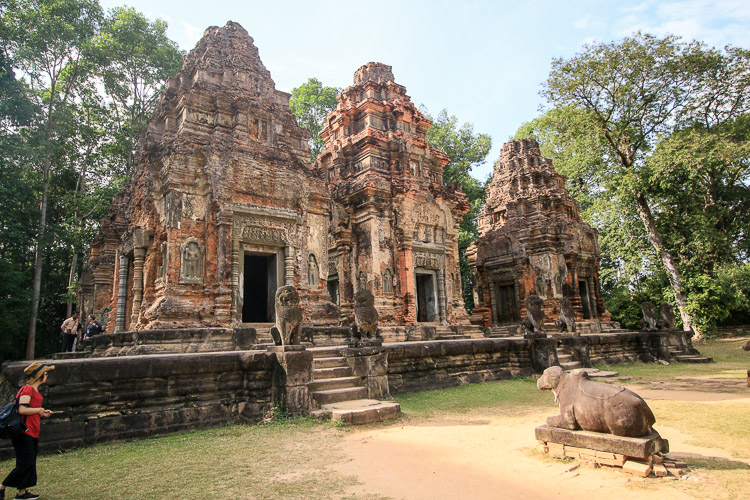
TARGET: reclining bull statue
(594,406)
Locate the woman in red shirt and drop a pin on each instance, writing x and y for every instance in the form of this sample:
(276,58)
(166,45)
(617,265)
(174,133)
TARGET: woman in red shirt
(26,444)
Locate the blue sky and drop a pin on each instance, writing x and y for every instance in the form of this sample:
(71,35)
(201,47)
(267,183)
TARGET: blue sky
(483,61)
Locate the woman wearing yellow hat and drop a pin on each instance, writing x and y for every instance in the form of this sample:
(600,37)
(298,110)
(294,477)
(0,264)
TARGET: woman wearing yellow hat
(26,444)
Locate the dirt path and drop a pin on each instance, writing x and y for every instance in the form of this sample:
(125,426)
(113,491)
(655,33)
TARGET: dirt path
(481,458)
(491,457)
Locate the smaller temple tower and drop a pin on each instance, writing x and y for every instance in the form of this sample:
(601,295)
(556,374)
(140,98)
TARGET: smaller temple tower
(394,227)
(532,241)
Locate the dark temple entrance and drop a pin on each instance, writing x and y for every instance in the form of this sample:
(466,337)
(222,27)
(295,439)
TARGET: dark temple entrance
(259,288)
(426,310)
(505,296)
(583,289)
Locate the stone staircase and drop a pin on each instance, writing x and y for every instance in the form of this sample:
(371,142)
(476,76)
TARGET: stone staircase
(339,395)
(263,332)
(566,360)
(679,356)
(443,332)
(500,331)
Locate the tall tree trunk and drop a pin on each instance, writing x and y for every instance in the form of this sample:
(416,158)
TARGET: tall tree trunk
(41,236)
(644,211)
(71,279)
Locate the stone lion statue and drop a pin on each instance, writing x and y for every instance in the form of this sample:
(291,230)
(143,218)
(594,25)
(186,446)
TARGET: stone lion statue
(651,318)
(533,325)
(667,316)
(365,316)
(288,325)
(567,319)
(595,406)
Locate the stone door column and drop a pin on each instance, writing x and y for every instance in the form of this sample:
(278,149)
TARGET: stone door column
(122,294)
(441,295)
(592,298)
(138,256)
(346,285)
(289,265)
(493,303)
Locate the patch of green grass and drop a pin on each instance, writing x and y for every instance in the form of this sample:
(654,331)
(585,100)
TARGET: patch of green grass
(505,397)
(282,460)
(730,362)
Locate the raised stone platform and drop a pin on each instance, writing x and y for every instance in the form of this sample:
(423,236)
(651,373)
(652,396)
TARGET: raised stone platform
(358,411)
(639,448)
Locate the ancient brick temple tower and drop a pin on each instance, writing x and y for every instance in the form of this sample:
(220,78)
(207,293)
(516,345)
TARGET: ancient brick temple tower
(394,224)
(223,206)
(532,241)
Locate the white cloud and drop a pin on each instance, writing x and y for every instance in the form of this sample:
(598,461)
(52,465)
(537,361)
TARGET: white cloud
(583,22)
(717,23)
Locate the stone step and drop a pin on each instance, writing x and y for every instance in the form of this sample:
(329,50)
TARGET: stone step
(597,373)
(333,383)
(338,395)
(572,365)
(338,362)
(325,352)
(564,358)
(452,337)
(689,358)
(326,373)
(359,411)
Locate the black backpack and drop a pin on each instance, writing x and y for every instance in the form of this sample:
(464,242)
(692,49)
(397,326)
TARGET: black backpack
(11,422)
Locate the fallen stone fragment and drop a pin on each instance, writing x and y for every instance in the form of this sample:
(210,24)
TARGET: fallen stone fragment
(637,468)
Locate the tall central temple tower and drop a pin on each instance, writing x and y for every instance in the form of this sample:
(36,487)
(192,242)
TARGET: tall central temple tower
(394,224)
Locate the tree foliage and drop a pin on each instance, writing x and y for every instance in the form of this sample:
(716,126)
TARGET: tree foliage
(310,104)
(467,150)
(652,134)
(76,89)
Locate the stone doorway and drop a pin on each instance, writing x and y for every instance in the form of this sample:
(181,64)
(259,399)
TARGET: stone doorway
(507,308)
(259,288)
(583,290)
(426,298)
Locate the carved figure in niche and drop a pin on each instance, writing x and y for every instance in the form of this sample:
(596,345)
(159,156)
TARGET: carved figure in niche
(288,327)
(651,318)
(361,281)
(595,406)
(192,262)
(567,319)
(387,282)
(162,269)
(365,324)
(312,272)
(104,315)
(533,325)
(667,316)
(559,280)
(541,286)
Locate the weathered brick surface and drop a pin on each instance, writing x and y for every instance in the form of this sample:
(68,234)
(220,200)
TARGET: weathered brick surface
(395,223)
(111,399)
(419,366)
(532,241)
(222,170)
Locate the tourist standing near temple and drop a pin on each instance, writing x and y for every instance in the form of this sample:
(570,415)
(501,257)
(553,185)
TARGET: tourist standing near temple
(93,327)
(69,330)
(26,445)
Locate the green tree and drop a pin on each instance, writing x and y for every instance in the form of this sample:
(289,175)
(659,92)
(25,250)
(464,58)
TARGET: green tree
(45,40)
(653,130)
(310,104)
(18,211)
(133,59)
(467,150)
